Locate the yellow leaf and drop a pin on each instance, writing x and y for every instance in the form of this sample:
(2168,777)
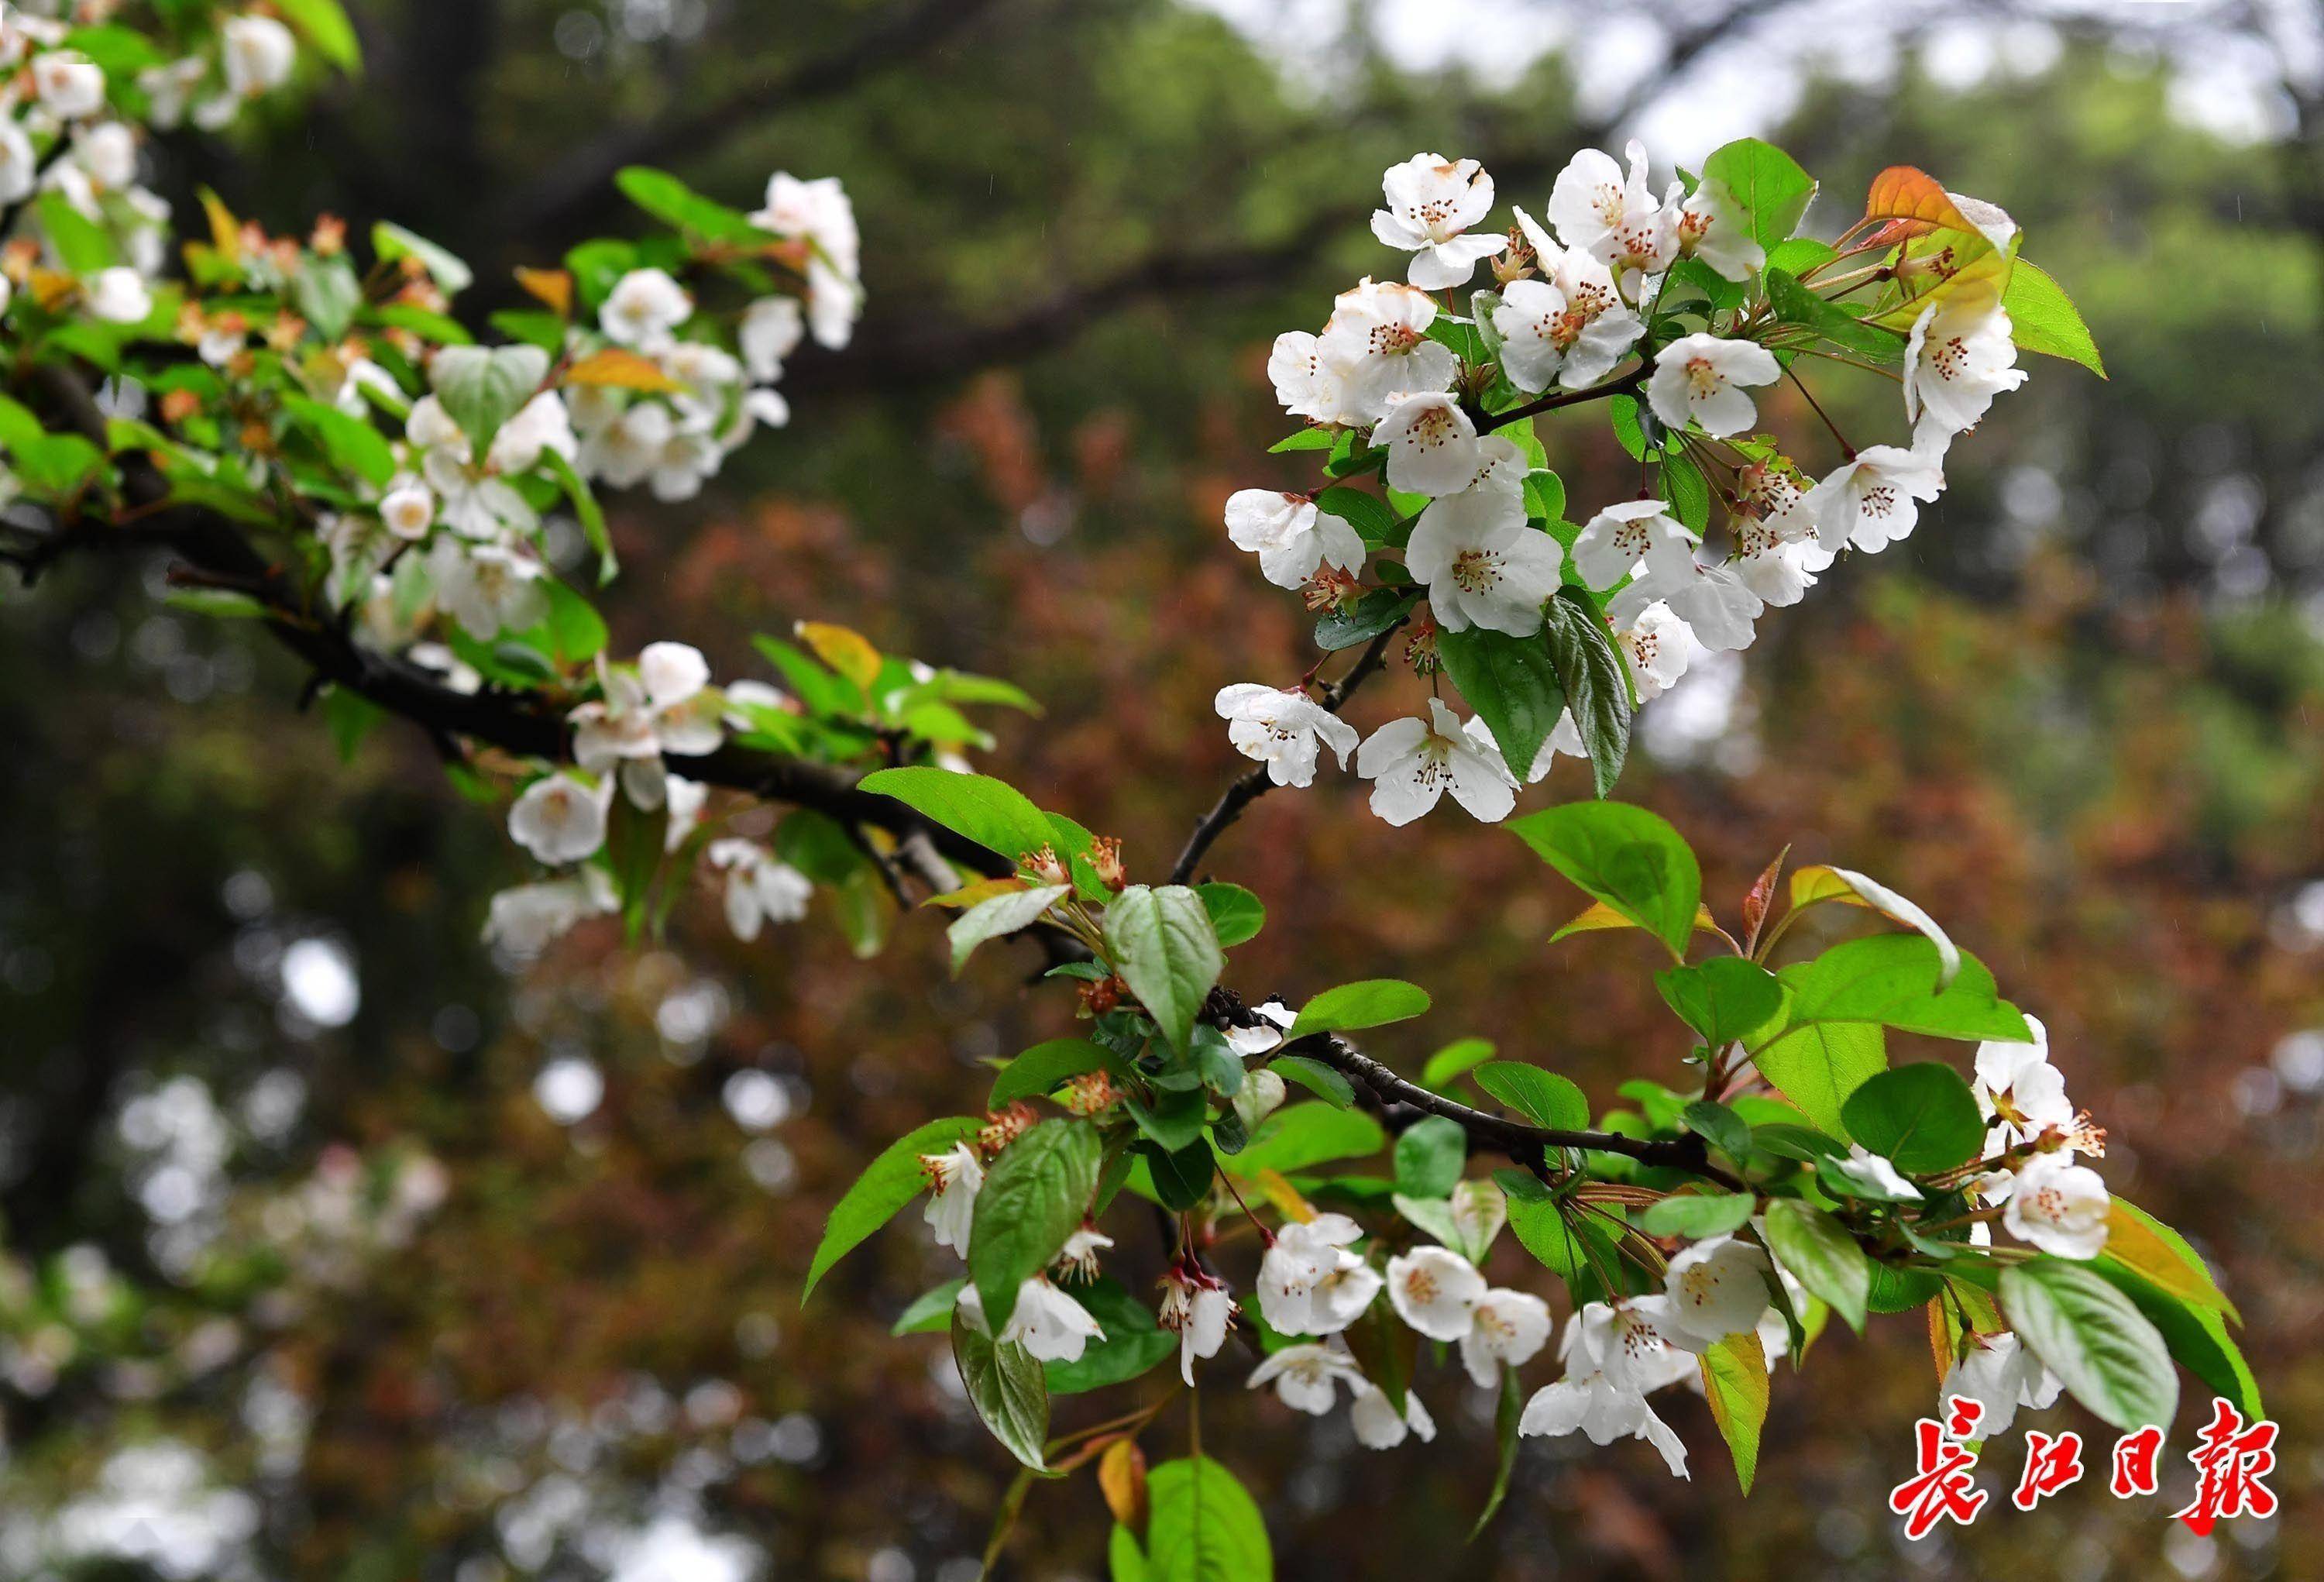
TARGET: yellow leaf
(983,890)
(1121,1479)
(1818,882)
(1284,1195)
(1599,916)
(2133,1243)
(623,369)
(552,286)
(844,650)
(225,231)
(52,290)
(1735,1382)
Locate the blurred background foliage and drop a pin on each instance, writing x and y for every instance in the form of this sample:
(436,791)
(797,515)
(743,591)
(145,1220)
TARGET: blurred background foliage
(335,1247)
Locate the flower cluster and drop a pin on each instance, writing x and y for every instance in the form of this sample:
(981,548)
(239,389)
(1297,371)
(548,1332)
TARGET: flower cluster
(1715,300)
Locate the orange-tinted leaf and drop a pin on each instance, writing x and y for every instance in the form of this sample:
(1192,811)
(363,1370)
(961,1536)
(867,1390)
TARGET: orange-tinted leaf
(844,649)
(1284,1195)
(1598,916)
(624,370)
(983,890)
(1121,1479)
(552,286)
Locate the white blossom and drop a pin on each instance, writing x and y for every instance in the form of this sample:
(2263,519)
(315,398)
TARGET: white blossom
(1290,536)
(761,889)
(1714,227)
(2059,1206)
(488,588)
(259,53)
(1872,1170)
(1868,500)
(1621,222)
(1308,383)
(1958,357)
(19,165)
(818,213)
(1413,761)
(409,509)
(2023,1095)
(1377,341)
(1431,445)
(643,307)
(1571,325)
(1507,1329)
(1377,1426)
(1431,201)
(1196,1307)
(1281,728)
(1703,377)
(953,1178)
(664,706)
(559,819)
(119,295)
(1051,1325)
(1592,1403)
(1309,1283)
(1636,1342)
(70,84)
(769,331)
(1717,1287)
(1273,1019)
(1078,1256)
(1435,1290)
(1483,563)
(525,919)
(1306,1377)
(2001,1374)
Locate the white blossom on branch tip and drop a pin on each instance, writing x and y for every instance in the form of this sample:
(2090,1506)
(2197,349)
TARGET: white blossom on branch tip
(1414,762)
(1431,202)
(1282,727)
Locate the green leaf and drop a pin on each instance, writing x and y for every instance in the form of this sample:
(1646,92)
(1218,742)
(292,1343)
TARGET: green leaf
(1624,855)
(1818,1066)
(1236,914)
(893,1180)
(1827,882)
(1376,612)
(1595,679)
(1572,1251)
(328,32)
(82,245)
(2197,1336)
(1542,1097)
(1822,1256)
(1304,439)
(1039,1069)
(1368,514)
(1511,684)
(1796,303)
(1370,1003)
(353,445)
(1000,916)
(351,717)
(1176,1118)
(1316,1078)
(327,294)
(1429,1155)
(1301,1135)
(586,511)
(1133,1341)
(1696,1215)
(993,814)
(2143,1245)
(1033,1197)
(1448,1063)
(1685,488)
(1006,1387)
(2094,1338)
(1162,945)
(2044,319)
(675,204)
(1893,979)
(1506,1416)
(1921,1117)
(929,1311)
(1720,1126)
(1181,1179)
(1203,1527)
(1767,183)
(1125,1560)
(1735,1381)
(391,241)
(1723,999)
(482,387)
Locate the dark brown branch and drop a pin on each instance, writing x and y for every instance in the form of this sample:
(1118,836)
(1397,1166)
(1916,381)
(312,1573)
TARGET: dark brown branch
(1563,398)
(1250,786)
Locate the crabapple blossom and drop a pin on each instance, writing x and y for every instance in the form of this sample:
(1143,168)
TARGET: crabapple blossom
(2000,1374)
(409,509)
(1775,573)
(1309,384)
(1306,1377)
(1507,1330)
(1290,536)
(819,213)
(1274,1017)
(488,589)
(1703,377)
(1658,646)
(1620,221)
(643,307)
(1309,1283)
(1717,1287)
(1483,563)
(1051,1325)
(559,819)
(2023,1095)
(1196,1307)
(525,919)
(1078,1256)
(1716,605)
(259,55)
(1435,1290)
(761,888)
(1377,341)
(1958,357)
(664,706)
(1635,1343)
(1876,1174)
(1413,761)
(1432,444)
(119,295)
(1712,227)
(2059,1206)
(1868,500)
(1281,728)
(71,86)
(1431,201)
(953,1178)
(1377,1424)
(1613,542)
(20,168)
(770,331)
